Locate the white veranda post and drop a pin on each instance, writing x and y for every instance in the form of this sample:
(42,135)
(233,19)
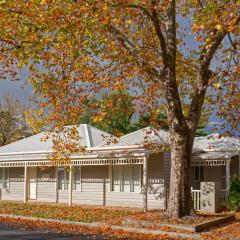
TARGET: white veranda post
(145,184)
(70,185)
(25,184)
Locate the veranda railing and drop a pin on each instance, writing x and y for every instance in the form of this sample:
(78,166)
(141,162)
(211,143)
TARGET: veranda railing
(196,197)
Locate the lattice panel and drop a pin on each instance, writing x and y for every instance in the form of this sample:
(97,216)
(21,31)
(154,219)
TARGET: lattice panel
(209,163)
(83,162)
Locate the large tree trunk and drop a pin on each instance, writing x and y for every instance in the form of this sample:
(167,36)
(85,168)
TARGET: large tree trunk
(180,202)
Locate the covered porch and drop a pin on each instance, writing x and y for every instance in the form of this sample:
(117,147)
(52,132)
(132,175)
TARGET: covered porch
(213,167)
(126,178)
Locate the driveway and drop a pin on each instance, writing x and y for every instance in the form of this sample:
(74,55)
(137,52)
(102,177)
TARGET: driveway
(18,233)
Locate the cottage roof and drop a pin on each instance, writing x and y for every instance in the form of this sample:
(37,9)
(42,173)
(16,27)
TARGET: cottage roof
(216,142)
(144,136)
(89,137)
(213,146)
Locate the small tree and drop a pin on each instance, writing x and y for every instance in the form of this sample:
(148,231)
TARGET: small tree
(234,195)
(157,119)
(89,109)
(13,124)
(114,113)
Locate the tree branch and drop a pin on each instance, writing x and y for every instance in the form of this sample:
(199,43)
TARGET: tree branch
(208,53)
(233,46)
(129,46)
(144,10)
(204,75)
(157,27)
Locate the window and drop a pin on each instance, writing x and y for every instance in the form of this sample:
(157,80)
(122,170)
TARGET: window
(116,178)
(136,177)
(126,178)
(64,180)
(4,178)
(77,179)
(198,173)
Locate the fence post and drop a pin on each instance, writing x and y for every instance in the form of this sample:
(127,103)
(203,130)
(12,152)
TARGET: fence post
(210,196)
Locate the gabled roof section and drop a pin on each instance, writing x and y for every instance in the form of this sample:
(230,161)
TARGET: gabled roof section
(89,137)
(143,136)
(216,142)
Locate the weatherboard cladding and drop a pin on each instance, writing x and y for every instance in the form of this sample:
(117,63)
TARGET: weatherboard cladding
(16,185)
(46,185)
(95,187)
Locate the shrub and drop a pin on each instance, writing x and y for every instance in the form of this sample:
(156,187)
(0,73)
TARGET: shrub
(233,203)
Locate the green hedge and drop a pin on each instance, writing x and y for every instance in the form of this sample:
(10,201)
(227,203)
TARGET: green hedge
(233,203)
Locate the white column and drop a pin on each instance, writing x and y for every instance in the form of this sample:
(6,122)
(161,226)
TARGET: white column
(228,174)
(56,182)
(70,186)
(145,183)
(25,184)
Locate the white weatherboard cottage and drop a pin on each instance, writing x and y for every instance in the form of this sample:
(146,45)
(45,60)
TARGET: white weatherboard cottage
(127,173)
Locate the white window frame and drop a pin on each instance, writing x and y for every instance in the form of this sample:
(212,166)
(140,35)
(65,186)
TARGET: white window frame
(65,185)
(66,182)
(74,184)
(5,178)
(122,180)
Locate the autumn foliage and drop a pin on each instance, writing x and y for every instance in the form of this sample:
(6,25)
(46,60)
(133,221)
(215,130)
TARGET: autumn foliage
(75,48)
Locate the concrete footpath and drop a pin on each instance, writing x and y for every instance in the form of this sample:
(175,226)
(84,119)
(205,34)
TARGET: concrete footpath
(98,225)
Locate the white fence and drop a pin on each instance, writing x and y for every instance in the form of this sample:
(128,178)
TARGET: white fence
(196,197)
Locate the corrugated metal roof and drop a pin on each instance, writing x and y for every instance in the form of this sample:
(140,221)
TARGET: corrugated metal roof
(216,142)
(143,136)
(213,146)
(90,137)
(212,142)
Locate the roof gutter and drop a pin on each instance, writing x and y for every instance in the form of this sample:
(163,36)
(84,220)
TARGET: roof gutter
(97,149)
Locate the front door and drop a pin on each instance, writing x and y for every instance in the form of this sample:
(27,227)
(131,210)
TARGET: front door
(32,178)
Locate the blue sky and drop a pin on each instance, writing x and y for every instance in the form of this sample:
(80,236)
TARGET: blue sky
(19,89)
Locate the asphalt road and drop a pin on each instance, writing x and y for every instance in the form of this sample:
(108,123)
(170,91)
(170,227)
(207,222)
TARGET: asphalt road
(17,233)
